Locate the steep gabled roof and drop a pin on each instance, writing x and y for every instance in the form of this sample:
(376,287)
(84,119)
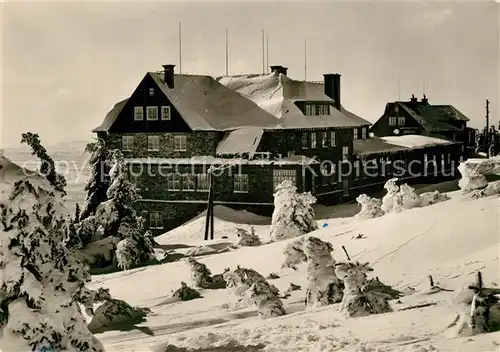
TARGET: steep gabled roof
(277,94)
(204,104)
(111,116)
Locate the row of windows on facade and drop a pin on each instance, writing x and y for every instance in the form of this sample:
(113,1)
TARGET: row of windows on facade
(328,139)
(201,182)
(317,109)
(180,143)
(152,113)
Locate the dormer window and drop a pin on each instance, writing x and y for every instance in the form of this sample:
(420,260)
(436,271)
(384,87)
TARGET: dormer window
(317,109)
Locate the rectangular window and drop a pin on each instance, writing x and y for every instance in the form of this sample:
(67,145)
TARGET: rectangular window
(401,120)
(333,177)
(308,110)
(313,140)
(165,113)
(173,182)
(449,158)
(345,187)
(324,140)
(156,220)
(325,174)
(281,175)
(443,161)
(356,169)
(320,110)
(203,182)
(305,141)
(241,183)
(316,109)
(188,182)
(127,143)
(153,143)
(363,132)
(355,134)
(326,110)
(180,143)
(152,113)
(332,139)
(345,153)
(138,113)
(151,92)
(392,120)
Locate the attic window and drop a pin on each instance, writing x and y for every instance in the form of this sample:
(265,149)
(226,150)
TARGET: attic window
(151,92)
(138,113)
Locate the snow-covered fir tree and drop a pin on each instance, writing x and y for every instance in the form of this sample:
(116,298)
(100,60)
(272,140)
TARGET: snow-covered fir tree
(240,281)
(370,207)
(324,287)
(47,166)
(294,253)
(117,218)
(293,213)
(248,238)
(200,274)
(99,180)
(409,197)
(358,300)
(266,300)
(392,192)
(41,281)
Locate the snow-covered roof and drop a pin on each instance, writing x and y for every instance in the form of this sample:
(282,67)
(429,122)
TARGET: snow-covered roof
(241,141)
(211,160)
(416,141)
(277,94)
(375,145)
(204,104)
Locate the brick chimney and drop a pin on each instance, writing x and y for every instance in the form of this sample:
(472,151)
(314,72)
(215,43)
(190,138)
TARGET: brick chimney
(413,100)
(332,88)
(279,69)
(425,101)
(168,75)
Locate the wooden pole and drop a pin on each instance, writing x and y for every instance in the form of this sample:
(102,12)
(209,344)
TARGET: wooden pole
(346,254)
(209,210)
(487,135)
(211,202)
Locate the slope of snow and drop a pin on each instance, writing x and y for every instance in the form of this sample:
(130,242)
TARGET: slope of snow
(449,240)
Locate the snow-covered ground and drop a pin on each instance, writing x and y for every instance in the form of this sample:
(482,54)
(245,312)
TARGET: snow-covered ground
(450,241)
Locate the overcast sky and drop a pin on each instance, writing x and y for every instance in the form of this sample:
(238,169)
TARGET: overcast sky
(65,64)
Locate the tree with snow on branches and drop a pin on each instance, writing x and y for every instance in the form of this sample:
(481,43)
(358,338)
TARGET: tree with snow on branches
(293,213)
(42,281)
(324,287)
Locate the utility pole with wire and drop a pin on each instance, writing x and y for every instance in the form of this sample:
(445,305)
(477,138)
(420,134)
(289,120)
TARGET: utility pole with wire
(487,132)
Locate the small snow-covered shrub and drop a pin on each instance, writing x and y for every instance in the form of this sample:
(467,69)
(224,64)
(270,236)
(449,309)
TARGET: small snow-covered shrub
(493,188)
(185,293)
(324,287)
(200,274)
(294,253)
(127,254)
(358,300)
(293,213)
(248,238)
(409,198)
(115,314)
(430,198)
(240,281)
(389,199)
(267,302)
(370,207)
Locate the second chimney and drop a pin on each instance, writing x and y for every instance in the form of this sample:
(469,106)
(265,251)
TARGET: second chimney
(168,75)
(279,69)
(332,88)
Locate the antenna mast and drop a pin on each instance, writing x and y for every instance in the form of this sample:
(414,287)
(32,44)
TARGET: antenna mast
(263,55)
(180,48)
(399,90)
(305,60)
(267,53)
(227,53)
(423,86)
